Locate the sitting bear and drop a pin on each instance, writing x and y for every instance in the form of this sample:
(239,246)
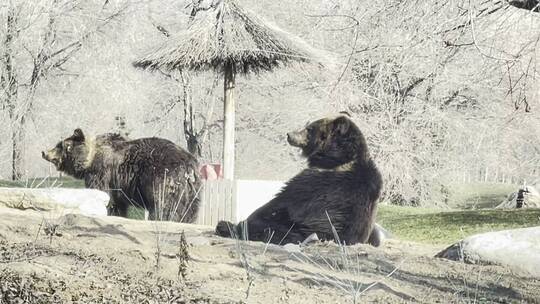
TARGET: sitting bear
(152,173)
(339,189)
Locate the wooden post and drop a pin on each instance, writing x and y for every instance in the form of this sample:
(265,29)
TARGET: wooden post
(228,123)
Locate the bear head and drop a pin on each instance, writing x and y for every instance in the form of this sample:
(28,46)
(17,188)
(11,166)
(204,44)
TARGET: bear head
(71,155)
(329,143)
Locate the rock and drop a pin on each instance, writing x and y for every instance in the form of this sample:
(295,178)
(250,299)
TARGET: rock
(383,233)
(310,239)
(83,201)
(518,249)
(530,199)
(291,248)
(379,235)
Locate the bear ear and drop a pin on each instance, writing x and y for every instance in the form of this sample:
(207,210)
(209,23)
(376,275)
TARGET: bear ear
(78,135)
(342,125)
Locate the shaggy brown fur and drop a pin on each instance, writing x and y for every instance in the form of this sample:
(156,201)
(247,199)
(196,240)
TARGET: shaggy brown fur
(341,186)
(152,173)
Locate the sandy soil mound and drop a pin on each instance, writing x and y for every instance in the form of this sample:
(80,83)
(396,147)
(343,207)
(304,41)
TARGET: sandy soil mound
(54,258)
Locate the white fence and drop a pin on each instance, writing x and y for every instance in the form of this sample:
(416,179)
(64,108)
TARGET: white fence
(234,200)
(217,202)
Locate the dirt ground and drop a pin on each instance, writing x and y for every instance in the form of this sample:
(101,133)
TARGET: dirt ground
(55,258)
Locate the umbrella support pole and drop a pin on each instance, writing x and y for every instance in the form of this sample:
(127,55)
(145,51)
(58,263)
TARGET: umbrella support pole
(228,122)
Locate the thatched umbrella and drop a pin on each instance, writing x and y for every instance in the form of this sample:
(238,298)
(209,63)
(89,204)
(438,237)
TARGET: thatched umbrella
(230,40)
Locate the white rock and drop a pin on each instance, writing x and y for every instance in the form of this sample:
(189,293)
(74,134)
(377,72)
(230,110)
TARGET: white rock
(84,201)
(290,247)
(311,238)
(518,249)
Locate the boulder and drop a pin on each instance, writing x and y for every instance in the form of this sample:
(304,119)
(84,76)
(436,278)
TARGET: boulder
(518,249)
(530,199)
(83,201)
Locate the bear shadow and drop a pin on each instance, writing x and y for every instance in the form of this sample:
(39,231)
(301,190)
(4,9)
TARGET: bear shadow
(378,267)
(109,229)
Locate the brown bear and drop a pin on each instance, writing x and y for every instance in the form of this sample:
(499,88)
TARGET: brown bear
(339,190)
(152,173)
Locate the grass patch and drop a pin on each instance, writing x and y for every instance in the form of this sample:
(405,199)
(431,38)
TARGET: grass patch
(435,226)
(478,195)
(41,182)
(135,213)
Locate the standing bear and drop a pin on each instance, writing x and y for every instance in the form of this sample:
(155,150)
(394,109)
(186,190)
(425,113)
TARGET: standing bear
(339,189)
(152,173)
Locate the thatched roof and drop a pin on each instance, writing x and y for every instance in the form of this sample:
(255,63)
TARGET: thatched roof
(228,34)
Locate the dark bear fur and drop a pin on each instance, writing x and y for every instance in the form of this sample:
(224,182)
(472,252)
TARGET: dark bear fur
(341,186)
(152,173)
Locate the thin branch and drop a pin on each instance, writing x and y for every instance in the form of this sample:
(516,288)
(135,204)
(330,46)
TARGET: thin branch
(355,42)
(477,46)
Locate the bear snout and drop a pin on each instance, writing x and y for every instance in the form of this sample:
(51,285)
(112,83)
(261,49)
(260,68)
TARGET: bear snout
(50,158)
(44,155)
(297,139)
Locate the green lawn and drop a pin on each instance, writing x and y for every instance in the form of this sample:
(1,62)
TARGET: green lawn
(39,182)
(437,226)
(478,195)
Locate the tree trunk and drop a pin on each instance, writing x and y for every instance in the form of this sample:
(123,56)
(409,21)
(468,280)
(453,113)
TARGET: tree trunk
(17,151)
(228,128)
(192,137)
(10,85)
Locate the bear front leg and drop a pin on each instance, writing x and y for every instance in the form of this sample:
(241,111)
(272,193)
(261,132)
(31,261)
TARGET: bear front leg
(118,205)
(122,210)
(111,210)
